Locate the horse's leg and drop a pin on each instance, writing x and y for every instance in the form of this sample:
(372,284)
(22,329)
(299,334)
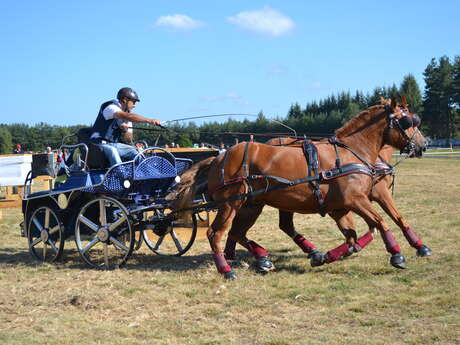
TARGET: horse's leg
(263,263)
(243,221)
(386,201)
(363,207)
(221,223)
(286,224)
(346,224)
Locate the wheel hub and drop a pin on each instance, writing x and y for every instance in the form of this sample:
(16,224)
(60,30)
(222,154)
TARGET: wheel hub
(44,235)
(103,234)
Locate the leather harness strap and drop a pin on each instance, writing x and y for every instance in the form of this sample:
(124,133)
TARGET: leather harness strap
(314,178)
(311,154)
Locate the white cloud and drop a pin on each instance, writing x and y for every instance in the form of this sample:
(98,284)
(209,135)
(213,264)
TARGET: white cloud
(178,22)
(266,21)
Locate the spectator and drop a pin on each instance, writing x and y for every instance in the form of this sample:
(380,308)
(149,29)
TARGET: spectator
(60,156)
(222,148)
(18,149)
(48,150)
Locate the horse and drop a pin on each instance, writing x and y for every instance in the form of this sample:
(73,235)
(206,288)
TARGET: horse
(380,193)
(281,177)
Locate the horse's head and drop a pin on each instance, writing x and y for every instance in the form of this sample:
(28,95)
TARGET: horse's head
(403,129)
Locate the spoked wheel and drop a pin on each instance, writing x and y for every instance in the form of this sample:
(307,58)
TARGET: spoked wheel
(172,239)
(104,233)
(45,234)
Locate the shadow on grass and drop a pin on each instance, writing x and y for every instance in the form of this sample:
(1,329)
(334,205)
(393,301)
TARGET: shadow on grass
(151,262)
(147,261)
(15,256)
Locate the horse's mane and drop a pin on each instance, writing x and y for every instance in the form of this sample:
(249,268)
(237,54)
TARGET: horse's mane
(356,122)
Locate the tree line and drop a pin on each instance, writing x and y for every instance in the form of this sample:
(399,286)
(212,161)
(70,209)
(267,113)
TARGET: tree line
(439,107)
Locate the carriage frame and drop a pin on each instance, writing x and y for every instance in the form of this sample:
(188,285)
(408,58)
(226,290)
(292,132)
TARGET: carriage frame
(110,212)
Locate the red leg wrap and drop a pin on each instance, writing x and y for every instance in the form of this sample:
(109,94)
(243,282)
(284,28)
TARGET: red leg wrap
(390,242)
(230,249)
(337,253)
(363,241)
(412,238)
(256,250)
(305,245)
(221,263)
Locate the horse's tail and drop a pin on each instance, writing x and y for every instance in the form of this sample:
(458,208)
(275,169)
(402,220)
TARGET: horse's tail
(184,192)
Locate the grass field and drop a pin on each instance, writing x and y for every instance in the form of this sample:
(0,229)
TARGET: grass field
(158,300)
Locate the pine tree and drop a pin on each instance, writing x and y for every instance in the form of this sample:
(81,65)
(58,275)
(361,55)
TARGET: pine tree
(6,141)
(295,111)
(393,93)
(438,99)
(410,89)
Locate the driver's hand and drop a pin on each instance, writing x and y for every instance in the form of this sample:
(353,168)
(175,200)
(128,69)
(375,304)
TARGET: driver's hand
(124,126)
(155,122)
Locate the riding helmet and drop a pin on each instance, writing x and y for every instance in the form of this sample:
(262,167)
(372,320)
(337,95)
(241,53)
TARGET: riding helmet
(127,92)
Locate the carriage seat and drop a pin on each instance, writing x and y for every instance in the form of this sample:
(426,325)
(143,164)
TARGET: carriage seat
(97,158)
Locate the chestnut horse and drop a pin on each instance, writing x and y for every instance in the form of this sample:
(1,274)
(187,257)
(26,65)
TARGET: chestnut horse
(380,193)
(280,177)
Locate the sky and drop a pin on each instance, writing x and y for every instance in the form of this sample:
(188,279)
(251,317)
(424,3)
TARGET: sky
(60,60)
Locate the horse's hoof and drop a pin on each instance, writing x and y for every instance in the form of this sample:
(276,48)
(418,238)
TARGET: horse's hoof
(423,251)
(398,260)
(264,265)
(317,258)
(230,275)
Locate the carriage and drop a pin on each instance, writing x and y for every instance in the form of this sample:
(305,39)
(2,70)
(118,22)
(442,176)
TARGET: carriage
(109,211)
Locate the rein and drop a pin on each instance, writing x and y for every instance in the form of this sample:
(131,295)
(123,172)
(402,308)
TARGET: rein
(334,141)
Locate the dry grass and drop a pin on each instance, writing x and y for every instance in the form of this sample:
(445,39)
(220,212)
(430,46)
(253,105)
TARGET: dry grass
(156,300)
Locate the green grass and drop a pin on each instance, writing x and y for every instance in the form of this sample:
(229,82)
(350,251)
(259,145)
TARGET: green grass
(156,300)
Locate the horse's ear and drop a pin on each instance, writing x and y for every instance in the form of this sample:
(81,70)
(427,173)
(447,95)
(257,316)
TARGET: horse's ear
(393,103)
(404,101)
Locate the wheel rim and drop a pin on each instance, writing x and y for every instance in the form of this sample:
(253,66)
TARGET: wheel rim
(176,240)
(103,233)
(45,235)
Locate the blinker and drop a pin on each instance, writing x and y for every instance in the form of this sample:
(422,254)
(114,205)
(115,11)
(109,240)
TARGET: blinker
(416,121)
(405,122)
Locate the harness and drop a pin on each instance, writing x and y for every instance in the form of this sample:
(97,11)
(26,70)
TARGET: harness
(315,177)
(384,168)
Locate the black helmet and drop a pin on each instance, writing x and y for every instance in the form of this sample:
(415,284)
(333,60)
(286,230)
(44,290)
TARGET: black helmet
(128,93)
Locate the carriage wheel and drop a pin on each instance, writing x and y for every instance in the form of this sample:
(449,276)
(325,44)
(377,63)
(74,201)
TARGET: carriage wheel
(45,234)
(175,239)
(104,234)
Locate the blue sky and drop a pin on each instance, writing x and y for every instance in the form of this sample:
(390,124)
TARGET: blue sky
(61,59)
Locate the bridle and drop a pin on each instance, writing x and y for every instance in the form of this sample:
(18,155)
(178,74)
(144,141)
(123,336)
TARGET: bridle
(402,124)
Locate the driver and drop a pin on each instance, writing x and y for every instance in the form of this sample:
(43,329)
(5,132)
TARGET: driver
(113,122)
